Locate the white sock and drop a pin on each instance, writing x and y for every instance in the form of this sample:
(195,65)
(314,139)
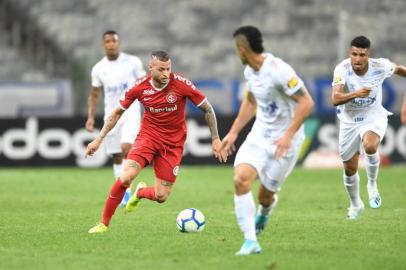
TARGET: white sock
(263,211)
(245,212)
(372,168)
(117,168)
(351,184)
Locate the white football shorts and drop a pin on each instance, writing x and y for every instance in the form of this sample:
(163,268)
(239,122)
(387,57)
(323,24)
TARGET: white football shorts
(260,155)
(350,135)
(125,131)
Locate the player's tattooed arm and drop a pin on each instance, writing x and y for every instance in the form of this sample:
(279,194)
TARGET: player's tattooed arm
(210,117)
(110,122)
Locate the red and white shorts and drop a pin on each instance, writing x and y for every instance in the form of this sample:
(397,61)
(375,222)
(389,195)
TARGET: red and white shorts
(164,158)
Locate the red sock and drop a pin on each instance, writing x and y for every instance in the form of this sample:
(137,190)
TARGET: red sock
(147,193)
(116,195)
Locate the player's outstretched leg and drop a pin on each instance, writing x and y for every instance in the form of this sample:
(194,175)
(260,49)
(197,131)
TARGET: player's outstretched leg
(372,168)
(263,215)
(135,199)
(245,213)
(249,247)
(351,184)
(116,194)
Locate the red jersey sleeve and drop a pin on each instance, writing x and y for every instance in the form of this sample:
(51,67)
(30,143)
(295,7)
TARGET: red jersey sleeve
(190,91)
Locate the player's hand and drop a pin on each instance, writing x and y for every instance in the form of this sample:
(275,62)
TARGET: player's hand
(282,146)
(229,143)
(92,147)
(219,151)
(90,124)
(364,92)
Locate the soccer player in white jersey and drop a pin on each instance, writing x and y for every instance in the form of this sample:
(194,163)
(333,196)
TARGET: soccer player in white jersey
(281,103)
(357,93)
(113,74)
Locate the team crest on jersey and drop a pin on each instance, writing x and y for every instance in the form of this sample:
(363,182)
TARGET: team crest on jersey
(171,97)
(176,170)
(293,82)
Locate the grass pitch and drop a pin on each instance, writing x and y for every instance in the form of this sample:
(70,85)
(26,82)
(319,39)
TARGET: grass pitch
(45,215)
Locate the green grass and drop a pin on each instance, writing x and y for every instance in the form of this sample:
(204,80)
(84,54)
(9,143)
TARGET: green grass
(45,215)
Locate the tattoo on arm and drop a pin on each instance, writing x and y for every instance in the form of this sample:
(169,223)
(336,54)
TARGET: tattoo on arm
(110,122)
(134,165)
(210,117)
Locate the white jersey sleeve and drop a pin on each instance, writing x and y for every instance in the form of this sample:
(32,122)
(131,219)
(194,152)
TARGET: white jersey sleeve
(288,79)
(339,75)
(96,82)
(389,67)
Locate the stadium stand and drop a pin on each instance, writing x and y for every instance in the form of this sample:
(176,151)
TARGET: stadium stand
(306,33)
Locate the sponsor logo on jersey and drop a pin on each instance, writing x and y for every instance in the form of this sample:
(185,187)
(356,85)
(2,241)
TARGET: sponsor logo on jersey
(175,170)
(164,109)
(293,82)
(148,92)
(337,79)
(363,101)
(184,80)
(171,97)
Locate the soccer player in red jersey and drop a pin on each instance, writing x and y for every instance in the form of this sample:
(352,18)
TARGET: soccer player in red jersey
(161,137)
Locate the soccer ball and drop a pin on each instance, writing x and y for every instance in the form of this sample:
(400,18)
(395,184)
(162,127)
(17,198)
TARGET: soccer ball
(190,220)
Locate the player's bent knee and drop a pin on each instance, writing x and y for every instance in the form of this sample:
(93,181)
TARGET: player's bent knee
(370,149)
(127,176)
(350,171)
(241,183)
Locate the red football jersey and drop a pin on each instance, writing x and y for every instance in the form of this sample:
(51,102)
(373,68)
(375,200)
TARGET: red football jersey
(164,109)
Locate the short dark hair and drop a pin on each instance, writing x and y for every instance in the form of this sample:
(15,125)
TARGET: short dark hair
(160,55)
(109,32)
(361,42)
(253,36)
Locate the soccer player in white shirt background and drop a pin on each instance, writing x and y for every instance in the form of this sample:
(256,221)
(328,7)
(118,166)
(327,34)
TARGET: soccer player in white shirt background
(281,103)
(363,119)
(113,74)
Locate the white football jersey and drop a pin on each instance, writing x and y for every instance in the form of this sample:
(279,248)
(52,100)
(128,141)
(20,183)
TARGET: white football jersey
(115,77)
(271,86)
(363,109)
